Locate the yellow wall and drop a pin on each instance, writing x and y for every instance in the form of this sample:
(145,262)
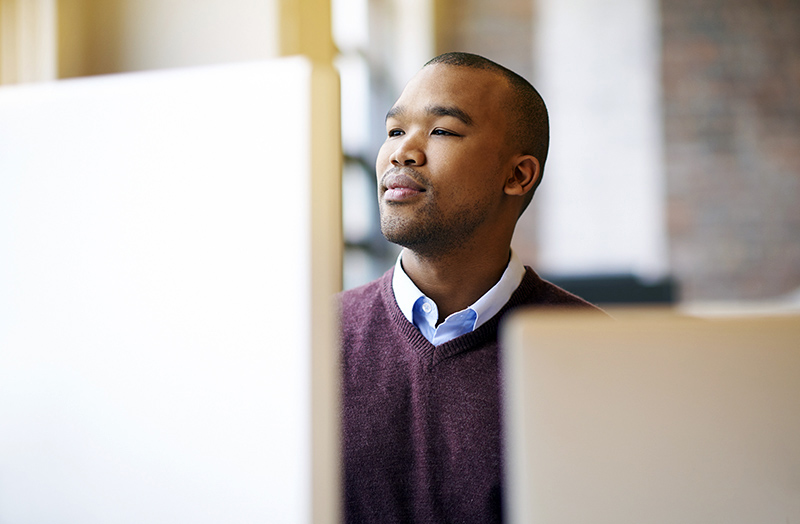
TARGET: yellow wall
(48,39)
(27,40)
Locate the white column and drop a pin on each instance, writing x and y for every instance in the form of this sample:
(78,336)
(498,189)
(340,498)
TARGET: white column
(601,203)
(415,38)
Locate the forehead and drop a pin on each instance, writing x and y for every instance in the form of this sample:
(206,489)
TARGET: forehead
(479,93)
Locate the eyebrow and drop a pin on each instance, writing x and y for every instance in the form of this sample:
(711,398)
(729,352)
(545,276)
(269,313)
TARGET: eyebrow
(453,111)
(450,111)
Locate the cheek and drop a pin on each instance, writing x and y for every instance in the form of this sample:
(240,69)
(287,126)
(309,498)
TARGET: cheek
(382,161)
(468,168)
(474,177)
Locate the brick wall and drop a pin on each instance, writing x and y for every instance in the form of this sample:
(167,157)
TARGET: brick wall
(731,87)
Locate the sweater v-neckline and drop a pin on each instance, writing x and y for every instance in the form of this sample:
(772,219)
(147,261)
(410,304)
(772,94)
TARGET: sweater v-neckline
(432,355)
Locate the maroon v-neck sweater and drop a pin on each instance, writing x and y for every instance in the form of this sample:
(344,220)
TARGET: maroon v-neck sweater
(421,423)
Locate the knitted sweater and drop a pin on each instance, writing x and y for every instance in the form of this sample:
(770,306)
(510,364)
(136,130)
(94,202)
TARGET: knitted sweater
(421,423)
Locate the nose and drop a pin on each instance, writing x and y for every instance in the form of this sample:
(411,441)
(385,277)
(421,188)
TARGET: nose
(408,153)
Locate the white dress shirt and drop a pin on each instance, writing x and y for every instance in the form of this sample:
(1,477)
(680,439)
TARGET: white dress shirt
(423,312)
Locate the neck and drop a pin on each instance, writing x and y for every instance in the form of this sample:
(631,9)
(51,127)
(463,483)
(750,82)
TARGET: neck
(455,280)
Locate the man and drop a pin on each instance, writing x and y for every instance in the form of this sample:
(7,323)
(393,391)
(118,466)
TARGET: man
(465,148)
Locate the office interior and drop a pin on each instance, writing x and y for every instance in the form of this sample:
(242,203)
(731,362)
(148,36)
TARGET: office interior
(674,170)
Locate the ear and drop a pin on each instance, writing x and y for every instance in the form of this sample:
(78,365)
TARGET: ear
(525,176)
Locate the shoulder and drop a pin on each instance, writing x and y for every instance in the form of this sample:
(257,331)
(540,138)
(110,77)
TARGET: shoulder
(370,322)
(534,290)
(358,304)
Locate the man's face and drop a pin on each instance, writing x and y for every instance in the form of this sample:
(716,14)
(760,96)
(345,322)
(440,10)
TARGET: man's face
(446,157)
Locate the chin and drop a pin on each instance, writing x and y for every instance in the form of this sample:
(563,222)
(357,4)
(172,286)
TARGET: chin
(402,232)
(418,236)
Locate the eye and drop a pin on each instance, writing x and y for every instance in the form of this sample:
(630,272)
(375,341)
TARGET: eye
(442,132)
(395,132)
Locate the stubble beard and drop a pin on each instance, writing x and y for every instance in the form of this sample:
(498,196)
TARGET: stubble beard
(428,232)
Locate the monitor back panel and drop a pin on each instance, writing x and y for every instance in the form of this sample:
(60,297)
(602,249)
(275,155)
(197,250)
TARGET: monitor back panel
(159,233)
(652,417)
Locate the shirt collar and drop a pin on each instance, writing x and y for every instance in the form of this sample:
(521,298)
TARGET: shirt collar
(493,300)
(406,292)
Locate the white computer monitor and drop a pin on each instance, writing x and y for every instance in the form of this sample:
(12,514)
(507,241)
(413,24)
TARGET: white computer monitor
(169,244)
(653,417)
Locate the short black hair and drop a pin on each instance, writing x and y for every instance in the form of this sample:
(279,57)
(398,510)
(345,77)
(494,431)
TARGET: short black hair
(531,126)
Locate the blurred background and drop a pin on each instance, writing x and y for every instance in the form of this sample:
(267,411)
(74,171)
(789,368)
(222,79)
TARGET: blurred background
(674,168)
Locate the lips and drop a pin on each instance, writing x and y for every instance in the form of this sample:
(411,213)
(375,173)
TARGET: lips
(398,186)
